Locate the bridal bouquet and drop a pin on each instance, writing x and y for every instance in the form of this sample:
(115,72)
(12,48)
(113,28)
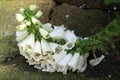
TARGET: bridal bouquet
(51,48)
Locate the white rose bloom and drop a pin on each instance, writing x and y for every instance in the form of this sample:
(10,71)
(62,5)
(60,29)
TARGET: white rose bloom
(74,61)
(44,33)
(20,35)
(69,45)
(19,17)
(48,27)
(70,36)
(38,14)
(36,55)
(58,32)
(35,21)
(96,61)
(45,47)
(21,27)
(33,7)
(59,57)
(63,64)
(53,46)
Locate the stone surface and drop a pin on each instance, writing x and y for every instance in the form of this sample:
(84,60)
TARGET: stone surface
(92,4)
(8,48)
(18,69)
(83,22)
(8,8)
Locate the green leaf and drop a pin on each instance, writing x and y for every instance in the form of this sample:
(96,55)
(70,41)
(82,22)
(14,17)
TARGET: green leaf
(108,2)
(116,1)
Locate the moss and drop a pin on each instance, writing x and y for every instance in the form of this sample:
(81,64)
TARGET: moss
(8,47)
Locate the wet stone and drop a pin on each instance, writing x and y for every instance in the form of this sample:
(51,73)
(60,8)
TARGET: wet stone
(8,9)
(91,4)
(83,22)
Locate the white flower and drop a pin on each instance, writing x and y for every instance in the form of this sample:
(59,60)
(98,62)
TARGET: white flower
(59,57)
(69,45)
(35,21)
(37,66)
(85,38)
(58,32)
(63,64)
(45,47)
(22,49)
(81,62)
(51,67)
(38,14)
(85,62)
(36,51)
(21,27)
(53,46)
(59,49)
(30,43)
(28,23)
(96,61)
(74,61)
(31,62)
(70,36)
(20,35)
(19,17)
(44,33)
(33,7)
(48,27)
(22,10)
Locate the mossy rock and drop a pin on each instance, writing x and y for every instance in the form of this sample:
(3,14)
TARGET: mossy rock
(8,48)
(8,9)
(83,21)
(91,4)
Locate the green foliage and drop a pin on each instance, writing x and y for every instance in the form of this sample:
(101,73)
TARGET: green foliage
(33,28)
(107,2)
(101,40)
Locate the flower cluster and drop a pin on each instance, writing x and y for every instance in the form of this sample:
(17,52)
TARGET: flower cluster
(49,48)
